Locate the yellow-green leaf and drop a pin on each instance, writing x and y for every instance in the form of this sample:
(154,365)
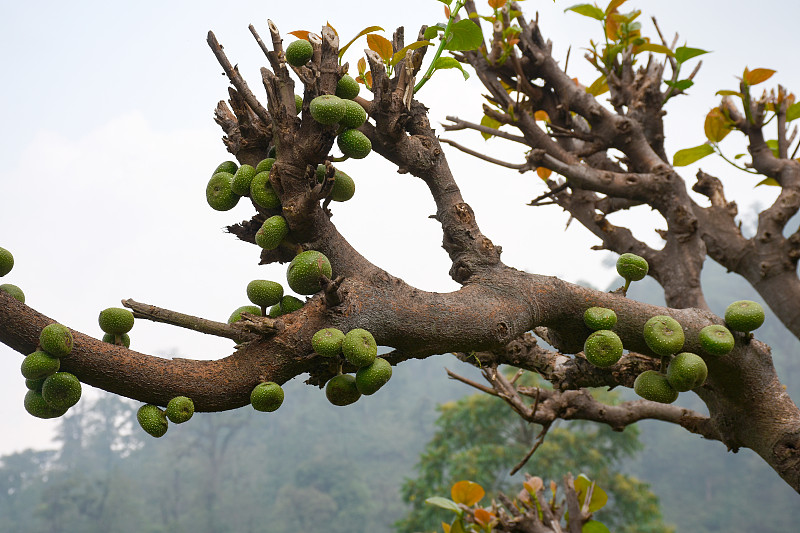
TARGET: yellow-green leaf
(599,496)
(793,112)
(593,526)
(716,126)
(444,503)
(381,45)
(587,10)
(687,156)
(757,75)
(598,86)
(362,32)
(656,48)
(400,54)
(445,527)
(449,62)
(769,181)
(489,122)
(467,492)
(726,92)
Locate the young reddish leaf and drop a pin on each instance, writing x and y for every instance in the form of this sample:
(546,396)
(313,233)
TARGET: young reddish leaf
(613,5)
(467,492)
(483,517)
(497,4)
(726,92)
(381,45)
(361,65)
(575,80)
(769,181)
(587,10)
(598,86)
(365,31)
(612,29)
(687,156)
(368,79)
(533,484)
(684,53)
(716,125)
(541,115)
(400,54)
(447,11)
(755,76)
(300,34)
(543,173)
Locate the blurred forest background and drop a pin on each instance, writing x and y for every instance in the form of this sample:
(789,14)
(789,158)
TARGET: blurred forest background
(368,467)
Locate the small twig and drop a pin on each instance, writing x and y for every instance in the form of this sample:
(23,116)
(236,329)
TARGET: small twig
(202,325)
(548,194)
(482,388)
(258,40)
(237,80)
(483,156)
(459,124)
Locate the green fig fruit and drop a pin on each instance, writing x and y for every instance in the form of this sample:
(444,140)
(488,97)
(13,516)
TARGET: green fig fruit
(327,109)
(264,293)
(603,348)
(262,193)
(374,376)
(152,419)
(597,318)
(359,347)
(35,384)
(686,371)
(632,267)
(306,270)
(716,340)
(744,315)
(354,115)
(354,144)
(237,313)
(119,340)
(219,192)
(664,335)
(265,165)
(14,291)
(347,87)
(179,409)
(272,232)
(242,180)
(115,320)
(328,342)
(342,390)
(6,262)
(298,104)
(61,390)
(36,405)
(56,340)
(299,52)
(266,397)
(39,365)
(226,166)
(653,386)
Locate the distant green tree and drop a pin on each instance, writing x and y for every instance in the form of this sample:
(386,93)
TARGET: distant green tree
(480,439)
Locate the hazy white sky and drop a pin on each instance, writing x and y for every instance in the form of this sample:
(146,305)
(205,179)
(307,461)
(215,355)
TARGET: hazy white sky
(109,141)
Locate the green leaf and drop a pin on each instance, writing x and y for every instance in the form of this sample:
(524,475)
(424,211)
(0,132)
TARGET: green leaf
(726,92)
(598,86)
(433,31)
(655,48)
(684,53)
(587,10)
(464,35)
(793,112)
(444,503)
(593,526)
(400,54)
(449,62)
(687,156)
(681,85)
(768,181)
(599,496)
(773,145)
(362,32)
(489,122)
